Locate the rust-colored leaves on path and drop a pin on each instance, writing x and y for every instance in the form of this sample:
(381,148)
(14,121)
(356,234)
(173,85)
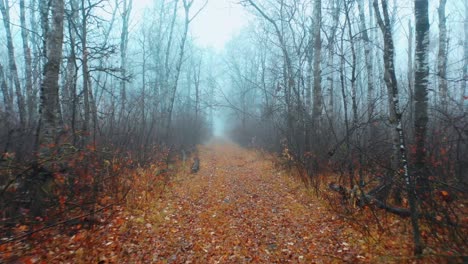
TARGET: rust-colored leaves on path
(239,209)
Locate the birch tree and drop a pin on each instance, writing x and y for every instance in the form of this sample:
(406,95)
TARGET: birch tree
(464,96)
(27,65)
(48,127)
(317,101)
(7,96)
(5,10)
(421,80)
(442,55)
(83,33)
(410,73)
(391,82)
(336,8)
(127,9)
(368,61)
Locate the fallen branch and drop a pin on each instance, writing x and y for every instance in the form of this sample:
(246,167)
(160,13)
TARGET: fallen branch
(403,212)
(368,199)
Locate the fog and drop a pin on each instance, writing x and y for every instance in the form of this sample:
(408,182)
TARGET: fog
(367,98)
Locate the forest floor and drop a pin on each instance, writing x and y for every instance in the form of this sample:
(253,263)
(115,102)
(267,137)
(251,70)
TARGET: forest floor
(239,208)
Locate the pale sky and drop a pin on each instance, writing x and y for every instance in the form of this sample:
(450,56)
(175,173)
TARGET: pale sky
(215,25)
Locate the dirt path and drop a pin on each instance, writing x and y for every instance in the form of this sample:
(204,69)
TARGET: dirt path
(239,209)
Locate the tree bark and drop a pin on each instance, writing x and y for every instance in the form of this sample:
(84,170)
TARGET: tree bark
(421,80)
(317,97)
(309,53)
(180,61)
(369,65)
(167,72)
(357,134)
(331,56)
(27,65)
(5,10)
(391,82)
(48,125)
(7,96)
(464,97)
(127,9)
(410,73)
(289,82)
(442,56)
(85,72)
(36,56)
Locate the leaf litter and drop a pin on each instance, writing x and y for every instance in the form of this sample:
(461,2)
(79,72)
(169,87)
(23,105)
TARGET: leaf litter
(239,208)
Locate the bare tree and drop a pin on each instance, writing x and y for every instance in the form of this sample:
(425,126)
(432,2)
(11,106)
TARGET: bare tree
(317,101)
(48,124)
(5,10)
(27,64)
(187,4)
(369,63)
(331,55)
(391,82)
(353,65)
(464,96)
(7,96)
(127,9)
(421,81)
(288,67)
(83,33)
(442,55)
(410,77)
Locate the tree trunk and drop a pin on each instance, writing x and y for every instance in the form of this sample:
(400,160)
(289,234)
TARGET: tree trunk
(180,61)
(289,82)
(317,97)
(196,80)
(464,97)
(410,74)
(354,106)
(442,56)
(27,65)
(308,96)
(85,72)
(48,125)
(345,109)
(7,96)
(357,134)
(167,67)
(143,95)
(331,56)
(421,80)
(127,9)
(71,80)
(5,10)
(391,82)
(36,57)
(369,66)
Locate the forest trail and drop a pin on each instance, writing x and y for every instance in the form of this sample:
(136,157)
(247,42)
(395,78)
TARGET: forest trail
(239,209)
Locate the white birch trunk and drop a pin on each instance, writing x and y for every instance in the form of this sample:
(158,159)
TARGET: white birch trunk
(48,128)
(27,65)
(391,82)
(5,10)
(442,56)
